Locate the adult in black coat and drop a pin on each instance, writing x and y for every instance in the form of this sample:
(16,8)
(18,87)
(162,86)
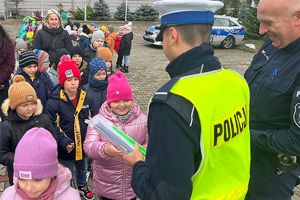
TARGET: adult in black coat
(52,36)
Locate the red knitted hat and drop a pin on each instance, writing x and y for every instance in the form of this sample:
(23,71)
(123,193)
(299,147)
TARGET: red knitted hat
(67,69)
(118,88)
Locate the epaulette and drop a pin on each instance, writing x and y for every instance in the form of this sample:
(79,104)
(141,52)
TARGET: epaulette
(182,106)
(162,94)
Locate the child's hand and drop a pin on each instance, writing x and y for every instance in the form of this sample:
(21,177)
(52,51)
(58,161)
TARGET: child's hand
(70,147)
(111,150)
(133,157)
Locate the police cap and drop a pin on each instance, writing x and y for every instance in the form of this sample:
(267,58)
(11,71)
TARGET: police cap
(182,12)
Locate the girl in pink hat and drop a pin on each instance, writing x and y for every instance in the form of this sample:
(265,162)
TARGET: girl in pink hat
(111,176)
(37,173)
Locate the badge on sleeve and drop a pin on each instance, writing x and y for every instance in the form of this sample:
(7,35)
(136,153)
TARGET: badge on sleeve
(296,115)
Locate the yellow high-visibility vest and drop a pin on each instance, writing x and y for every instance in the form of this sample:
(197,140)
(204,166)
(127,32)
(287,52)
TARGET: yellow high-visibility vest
(221,99)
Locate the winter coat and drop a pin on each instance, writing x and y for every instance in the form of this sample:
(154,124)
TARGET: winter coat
(63,191)
(51,40)
(97,97)
(110,41)
(125,46)
(61,113)
(7,61)
(13,129)
(42,85)
(84,71)
(111,176)
(117,43)
(89,53)
(53,75)
(84,41)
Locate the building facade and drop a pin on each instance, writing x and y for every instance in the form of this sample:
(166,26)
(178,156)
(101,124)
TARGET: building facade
(30,7)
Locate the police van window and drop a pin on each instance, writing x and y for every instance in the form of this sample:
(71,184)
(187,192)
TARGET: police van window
(221,22)
(231,23)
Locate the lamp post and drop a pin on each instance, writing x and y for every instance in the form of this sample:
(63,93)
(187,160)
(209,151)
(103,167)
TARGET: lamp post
(126,6)
(42,8)
(85,10)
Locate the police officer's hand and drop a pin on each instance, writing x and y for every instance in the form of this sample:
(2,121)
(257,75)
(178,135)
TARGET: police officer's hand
(111,150)
(133,157)
(70,147)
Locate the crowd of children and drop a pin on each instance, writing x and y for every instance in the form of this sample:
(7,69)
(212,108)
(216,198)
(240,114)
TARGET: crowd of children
(45,134)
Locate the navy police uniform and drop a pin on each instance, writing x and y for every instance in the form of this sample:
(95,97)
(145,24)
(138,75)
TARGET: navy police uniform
(274,81)
(174,138)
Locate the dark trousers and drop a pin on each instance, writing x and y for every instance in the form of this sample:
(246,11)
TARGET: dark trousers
(120,59)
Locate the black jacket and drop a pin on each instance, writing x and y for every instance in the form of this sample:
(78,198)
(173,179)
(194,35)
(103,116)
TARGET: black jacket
(65,110)
(13,129)
(125,46)
(274,82)
(173,152)
(51,40)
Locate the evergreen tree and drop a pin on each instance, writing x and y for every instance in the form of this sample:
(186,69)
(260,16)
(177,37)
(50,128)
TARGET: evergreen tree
(248,16)
(146,13)
(101,10)
(120,13)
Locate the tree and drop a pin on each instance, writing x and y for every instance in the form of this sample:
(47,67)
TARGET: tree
(101,10)
(120,13)
(250,21)
(78,13)
(145,13)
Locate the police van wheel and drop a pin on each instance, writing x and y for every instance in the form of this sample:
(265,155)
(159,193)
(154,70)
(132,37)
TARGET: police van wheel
(228,42)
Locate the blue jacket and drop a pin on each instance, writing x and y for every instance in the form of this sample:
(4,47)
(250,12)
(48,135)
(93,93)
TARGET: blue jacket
(97,97)
(274,82)
(84,41)
(42,85)
(64,109)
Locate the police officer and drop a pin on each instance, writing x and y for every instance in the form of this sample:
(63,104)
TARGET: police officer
(274,81)
(199,140)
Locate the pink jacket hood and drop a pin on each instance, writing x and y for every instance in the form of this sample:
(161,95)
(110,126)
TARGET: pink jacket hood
(63,191)
(111,176)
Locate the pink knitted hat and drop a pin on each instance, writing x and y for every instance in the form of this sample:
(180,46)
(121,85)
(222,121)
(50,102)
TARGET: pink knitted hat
(36,155)
(118,88)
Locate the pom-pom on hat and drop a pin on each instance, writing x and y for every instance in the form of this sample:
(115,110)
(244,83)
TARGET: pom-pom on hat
(27,58)
(105,54)
(20,92)
(67,69)
(182,12)
(36,155)
(118,88)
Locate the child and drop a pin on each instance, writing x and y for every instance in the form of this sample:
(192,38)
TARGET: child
(37,174)
(21,46)
(52,71)
(117,47)
(105,54)
(97,41)
(111,176)
(40,81)
(68,108)
(125,46)
(97,85)
(77,54)
(23,110)
(43,59)
(84,39)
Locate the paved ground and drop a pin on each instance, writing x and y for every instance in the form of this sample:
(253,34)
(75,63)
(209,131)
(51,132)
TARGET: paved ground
(147,63)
